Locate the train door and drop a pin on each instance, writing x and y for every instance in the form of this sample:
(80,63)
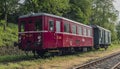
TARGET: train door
(51,34)
(58,29)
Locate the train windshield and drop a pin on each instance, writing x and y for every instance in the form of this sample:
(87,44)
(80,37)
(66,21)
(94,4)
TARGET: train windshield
(22,26)
(31,25)
(38,25)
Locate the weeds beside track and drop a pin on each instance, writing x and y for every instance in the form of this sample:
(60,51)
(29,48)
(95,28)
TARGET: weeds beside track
(56,62)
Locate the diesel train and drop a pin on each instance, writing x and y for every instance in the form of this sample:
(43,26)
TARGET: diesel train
(42,32)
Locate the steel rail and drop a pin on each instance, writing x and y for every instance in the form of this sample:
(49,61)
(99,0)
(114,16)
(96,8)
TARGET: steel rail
(95,62)
(117,66)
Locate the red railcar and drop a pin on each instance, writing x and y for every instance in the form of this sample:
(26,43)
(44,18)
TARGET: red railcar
(42,32)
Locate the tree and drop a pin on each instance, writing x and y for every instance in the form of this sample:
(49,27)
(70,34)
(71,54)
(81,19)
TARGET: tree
(118,30)
(7,7)
(57,7)
(105,15)
(80,10)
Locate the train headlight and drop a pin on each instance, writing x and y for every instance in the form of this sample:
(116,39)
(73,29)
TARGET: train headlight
(39,37)
(39,41)
(19,38)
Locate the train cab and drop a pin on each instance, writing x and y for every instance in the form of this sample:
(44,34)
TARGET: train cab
(30,32)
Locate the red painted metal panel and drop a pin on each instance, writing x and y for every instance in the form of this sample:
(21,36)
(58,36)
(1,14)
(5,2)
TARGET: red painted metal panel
(53,39)
(76,41)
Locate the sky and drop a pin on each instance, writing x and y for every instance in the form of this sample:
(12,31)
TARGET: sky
(117,6)
(21,1)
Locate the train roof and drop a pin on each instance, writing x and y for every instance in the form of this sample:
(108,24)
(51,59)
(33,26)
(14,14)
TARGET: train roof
(96,26)
(46,14)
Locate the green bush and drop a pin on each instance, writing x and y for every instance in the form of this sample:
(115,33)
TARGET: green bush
(10,35)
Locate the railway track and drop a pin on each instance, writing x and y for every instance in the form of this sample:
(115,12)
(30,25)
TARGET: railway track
(117,66)
(107,62)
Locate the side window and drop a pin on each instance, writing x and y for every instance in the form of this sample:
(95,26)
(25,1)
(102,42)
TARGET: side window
(51,25)
(66,27)
(101,33)
(58,26)
(74,29)
(80,30)
(89,32)
(84,31)
(22,26)
(38,25)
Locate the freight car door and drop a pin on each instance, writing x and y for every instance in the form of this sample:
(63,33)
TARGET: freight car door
(51,34)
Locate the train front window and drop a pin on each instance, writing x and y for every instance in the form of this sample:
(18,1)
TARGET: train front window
(22,26)
(38,25)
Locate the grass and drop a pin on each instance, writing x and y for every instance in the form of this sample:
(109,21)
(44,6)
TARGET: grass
(57,62)
(15,58)
(8,37)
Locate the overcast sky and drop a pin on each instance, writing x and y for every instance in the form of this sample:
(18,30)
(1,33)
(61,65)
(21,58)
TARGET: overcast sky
(117,6)
(21,1)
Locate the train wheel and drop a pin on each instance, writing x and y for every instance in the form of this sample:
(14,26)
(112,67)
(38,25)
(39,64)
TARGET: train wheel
(27,53)
(78,49)
(90,48)
(97,47)
(105,47)
(40,53)
(85,49)
(72,50)
(60,53)
(35,54)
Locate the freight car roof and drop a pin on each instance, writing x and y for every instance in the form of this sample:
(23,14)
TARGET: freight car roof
(46,14)
(96,26)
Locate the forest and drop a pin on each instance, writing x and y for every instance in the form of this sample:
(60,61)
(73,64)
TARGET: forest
(98,12)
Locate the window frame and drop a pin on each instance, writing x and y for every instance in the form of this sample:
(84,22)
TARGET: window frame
(84,31)
(67,25)
(40,24)
(22,23)
(51,29)
(74,29)
(57,26)
(79,30)
(89,32)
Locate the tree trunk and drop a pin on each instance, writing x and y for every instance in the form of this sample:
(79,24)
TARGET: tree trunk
(4,28)
(5,16)
(5,24)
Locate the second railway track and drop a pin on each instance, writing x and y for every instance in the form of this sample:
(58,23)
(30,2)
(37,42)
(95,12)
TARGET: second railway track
(107,62)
